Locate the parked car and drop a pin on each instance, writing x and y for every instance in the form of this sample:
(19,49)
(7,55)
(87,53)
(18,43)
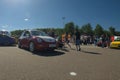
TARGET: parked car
(99,43)
(6,39)
(115,43)
(36,40)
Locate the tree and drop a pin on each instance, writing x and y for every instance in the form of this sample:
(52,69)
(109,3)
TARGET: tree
(98,31)
(87,29)
(16,33)
(81,31)
(107,33)
(112,30)
(117,33)
(69,27)
(77,28)
(59,31)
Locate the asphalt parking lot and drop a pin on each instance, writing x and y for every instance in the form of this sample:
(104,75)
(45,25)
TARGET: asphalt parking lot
(91,63)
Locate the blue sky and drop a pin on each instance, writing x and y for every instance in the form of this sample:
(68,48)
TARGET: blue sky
(29,14)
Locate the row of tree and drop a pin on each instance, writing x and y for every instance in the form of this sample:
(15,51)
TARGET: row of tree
(71,28)
(88,29)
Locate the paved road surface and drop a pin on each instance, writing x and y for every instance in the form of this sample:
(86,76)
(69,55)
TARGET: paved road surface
(92,63)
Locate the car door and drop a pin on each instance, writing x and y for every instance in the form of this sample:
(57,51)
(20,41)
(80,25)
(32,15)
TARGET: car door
(22,39)
(26,39)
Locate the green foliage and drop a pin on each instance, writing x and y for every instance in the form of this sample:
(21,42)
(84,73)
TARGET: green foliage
(112,30)
(69,27)
(16,33)
(58,31)
(81,31)
(87,29)
(117,33)
(77,28)
(98,30)
(107,33)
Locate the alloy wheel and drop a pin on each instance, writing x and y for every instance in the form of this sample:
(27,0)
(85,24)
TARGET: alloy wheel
(31,47)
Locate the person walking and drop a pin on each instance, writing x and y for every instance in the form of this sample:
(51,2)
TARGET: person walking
(77,42)
(67,40)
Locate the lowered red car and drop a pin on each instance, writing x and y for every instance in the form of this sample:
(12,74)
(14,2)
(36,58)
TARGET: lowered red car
(36,40)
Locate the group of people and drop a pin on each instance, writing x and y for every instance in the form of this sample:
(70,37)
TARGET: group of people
(103,41)
(77,40)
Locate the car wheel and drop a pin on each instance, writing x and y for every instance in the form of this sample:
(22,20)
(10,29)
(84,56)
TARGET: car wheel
(31,47)
(19,45)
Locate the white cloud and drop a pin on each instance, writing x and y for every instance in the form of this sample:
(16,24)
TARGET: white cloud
(27,16)
(3,30)
(5,26)
(26,19)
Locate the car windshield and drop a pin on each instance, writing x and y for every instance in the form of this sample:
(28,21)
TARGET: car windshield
(118,39)
(38,33)
(6,33)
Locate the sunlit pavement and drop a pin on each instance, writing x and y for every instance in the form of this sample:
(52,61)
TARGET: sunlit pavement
(91,63)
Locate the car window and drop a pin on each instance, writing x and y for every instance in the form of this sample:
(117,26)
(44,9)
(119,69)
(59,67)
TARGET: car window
(4,33)
(118,39)
(26,34)
(38,33)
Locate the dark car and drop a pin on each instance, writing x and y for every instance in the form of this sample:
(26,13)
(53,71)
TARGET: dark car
(36,40)
(6,39)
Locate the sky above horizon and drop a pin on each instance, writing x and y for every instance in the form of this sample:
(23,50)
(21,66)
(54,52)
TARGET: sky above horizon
(30,14)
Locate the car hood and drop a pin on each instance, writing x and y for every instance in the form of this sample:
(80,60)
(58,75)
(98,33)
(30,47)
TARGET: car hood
(47,38)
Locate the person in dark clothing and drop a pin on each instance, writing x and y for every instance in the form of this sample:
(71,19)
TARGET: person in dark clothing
(103,40)
(77,38)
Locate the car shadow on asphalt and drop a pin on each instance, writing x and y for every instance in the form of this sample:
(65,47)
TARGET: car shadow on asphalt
(89,52)
(63,49)
(115,48)
(7,45)
(48,53)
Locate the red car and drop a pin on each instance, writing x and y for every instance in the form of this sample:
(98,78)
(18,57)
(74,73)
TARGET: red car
(36,40)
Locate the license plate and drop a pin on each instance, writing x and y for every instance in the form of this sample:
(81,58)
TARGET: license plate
(52,45)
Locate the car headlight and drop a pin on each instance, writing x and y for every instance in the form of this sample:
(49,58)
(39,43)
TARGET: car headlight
(39,40)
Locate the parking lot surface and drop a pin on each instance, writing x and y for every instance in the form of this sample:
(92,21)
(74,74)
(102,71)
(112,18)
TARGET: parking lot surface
(91,63)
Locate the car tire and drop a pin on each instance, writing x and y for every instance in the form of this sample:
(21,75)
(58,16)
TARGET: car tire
(31,47)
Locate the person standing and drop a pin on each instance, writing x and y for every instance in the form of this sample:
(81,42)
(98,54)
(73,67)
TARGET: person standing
(103,40)
(107,39)
(77,38)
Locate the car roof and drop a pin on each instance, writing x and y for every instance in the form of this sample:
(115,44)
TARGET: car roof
(31,30)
